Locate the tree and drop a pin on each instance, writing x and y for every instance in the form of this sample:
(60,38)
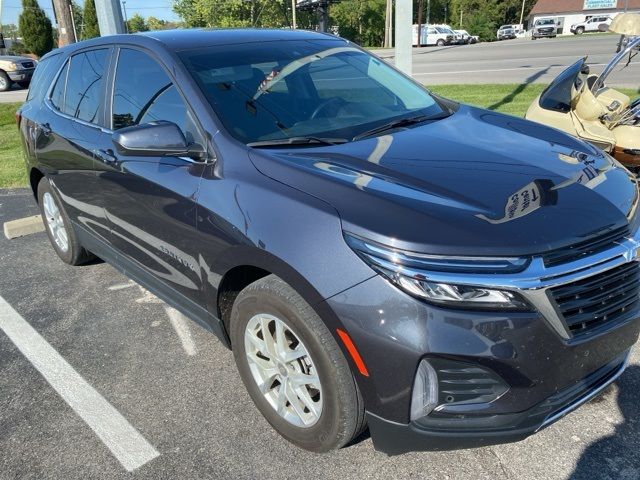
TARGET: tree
(35,28)
(90,20)
(137,24)
(77,18)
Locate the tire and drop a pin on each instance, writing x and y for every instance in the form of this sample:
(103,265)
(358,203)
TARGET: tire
(579,30)
(58,227)
(336,397)
(5,81)
(440,43)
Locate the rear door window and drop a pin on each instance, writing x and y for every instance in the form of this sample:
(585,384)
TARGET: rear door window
(78,91)
(84,92)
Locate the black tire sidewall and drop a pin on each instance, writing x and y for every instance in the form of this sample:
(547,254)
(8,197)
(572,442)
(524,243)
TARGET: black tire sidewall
(326,433)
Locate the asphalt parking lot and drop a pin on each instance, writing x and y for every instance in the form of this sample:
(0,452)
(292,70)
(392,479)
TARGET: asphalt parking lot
(177,397)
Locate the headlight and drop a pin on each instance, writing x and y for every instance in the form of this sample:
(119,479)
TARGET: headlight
(14,66)
(410,272)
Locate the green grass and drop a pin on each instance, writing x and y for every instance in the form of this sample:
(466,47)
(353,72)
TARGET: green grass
(513,99)
(12,171)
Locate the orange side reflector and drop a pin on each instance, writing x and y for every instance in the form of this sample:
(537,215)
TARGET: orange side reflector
(353,351)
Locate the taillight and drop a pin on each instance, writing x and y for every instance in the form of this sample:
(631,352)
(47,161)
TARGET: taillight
(18,117)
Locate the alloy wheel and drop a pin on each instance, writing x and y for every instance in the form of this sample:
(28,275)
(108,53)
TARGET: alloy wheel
(283,370)
(55,222)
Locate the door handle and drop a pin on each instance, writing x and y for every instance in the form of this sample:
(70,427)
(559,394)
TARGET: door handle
(105,155)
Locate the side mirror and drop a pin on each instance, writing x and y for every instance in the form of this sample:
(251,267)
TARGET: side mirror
(155,139)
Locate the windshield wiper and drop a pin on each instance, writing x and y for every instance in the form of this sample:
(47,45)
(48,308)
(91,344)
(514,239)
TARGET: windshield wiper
(279,142)
(402,122)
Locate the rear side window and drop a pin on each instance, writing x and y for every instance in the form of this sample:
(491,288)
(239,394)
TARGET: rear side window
(151,97)
(57,95)
(43,77)
(79,88)
(83,95)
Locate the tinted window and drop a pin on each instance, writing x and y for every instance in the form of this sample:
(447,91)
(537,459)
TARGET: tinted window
(303,88)
(57,95)
(83,95)
(43,76)
(144,93)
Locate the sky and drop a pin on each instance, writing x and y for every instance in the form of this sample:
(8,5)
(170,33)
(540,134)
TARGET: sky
(147,8)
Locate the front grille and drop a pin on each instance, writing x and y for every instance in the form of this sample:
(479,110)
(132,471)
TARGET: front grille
(27,64)
(585,248)
(600,299)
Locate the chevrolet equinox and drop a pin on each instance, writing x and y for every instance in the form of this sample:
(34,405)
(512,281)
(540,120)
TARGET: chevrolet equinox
(375,255)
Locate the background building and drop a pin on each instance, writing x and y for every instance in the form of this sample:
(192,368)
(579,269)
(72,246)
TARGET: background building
(568,12)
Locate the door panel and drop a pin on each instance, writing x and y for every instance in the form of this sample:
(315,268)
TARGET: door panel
(66,133)
(150,202)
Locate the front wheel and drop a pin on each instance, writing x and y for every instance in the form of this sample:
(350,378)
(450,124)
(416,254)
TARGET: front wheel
(5,81)
(579,30)
(58,227)
(293,368)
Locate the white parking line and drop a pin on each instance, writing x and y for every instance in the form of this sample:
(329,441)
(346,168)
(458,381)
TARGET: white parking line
(130,448)
(181,326)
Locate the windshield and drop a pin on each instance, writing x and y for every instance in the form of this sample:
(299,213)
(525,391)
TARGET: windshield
(557,96)
(546,22)
(302,88)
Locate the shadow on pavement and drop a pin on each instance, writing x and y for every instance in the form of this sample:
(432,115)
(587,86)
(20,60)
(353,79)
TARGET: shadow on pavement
(519,89)
(618,455)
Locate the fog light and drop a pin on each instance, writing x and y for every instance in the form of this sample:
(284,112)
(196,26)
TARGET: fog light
(425,391)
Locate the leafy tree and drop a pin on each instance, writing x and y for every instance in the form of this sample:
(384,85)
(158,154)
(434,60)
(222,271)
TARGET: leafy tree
(360,20)
(137,23)
(35,28)
(90,21)
(77,18)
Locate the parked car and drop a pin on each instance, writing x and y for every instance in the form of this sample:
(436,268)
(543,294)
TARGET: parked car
(464,37)
(545,27)
(591,25)
(274,186)
(15,69)
(506,32)
(439,36)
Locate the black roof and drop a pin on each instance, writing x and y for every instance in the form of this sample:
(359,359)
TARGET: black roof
(184,39)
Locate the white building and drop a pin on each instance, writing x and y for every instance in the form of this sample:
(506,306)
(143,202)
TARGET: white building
(569,12)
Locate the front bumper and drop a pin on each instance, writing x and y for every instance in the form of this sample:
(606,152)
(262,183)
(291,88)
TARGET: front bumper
(21,75)
(394,438)
(537,34)
(536,354)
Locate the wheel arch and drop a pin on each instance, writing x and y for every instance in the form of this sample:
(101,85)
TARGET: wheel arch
(35,176)
(250,265)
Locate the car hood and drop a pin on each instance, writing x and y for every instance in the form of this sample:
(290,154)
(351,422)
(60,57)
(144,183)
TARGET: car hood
(14,58)
(476,183)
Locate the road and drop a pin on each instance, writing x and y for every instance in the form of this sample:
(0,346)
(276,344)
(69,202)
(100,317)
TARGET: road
(510,61)
(174,390)
(516,61)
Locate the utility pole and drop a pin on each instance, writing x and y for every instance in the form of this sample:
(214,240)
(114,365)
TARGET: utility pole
(293,13)
(388,24)
(124,11)
(428,13)
(62,11)
(522,13)
(323,15)
(73,22)
(404,32)
(109,17)
(2,47)
(460,27)
(420,12)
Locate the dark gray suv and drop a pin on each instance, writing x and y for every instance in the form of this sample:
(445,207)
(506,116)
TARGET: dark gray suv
(374,254)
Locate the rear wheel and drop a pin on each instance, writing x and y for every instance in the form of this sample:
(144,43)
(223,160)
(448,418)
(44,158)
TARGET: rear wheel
(58,227)
(5,81)
(293,368)
(440,43)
